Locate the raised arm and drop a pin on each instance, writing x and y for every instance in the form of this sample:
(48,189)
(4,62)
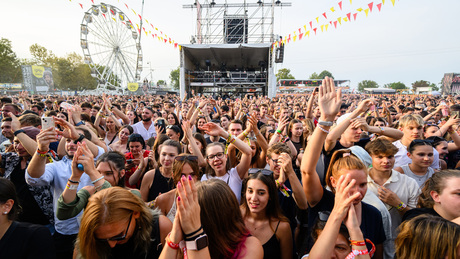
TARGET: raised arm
(36,166)
(297,191)
(191,141)
(29,144)
(245,162)
(308,113)
(335,133)
(329,102)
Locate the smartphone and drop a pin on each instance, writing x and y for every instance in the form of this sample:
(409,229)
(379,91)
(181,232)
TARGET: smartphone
(162,125)
(47,122)
(129,161)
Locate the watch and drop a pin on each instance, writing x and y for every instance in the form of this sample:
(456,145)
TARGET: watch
(79,139)
(18,132)
(198,244)
(325,123)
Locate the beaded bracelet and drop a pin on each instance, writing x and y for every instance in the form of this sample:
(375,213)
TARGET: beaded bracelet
(97,180)
(323,129)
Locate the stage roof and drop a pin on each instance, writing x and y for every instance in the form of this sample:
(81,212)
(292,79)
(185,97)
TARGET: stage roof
(233,55)
(309,82)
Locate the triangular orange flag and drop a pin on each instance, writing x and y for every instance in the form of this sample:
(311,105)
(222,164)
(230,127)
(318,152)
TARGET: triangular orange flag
(81,6)
(315,30)
(354,15)
(379,6)
(349,16)
(300,36)
(324,14)
(370,6)
(311,27)
(340,5)
(335,24)
(366,11)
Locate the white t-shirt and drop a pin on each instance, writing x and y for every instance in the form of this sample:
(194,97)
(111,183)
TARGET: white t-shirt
(401,157)
(233,180)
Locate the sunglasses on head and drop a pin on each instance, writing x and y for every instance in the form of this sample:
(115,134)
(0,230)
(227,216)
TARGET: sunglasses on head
(262,171)
(183,158)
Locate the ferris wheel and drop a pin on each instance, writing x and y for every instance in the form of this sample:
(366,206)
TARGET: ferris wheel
(108,39)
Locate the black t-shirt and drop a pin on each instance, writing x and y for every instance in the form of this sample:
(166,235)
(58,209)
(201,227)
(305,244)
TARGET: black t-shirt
(371,219)
(24,240)
(410,214)
(31,212)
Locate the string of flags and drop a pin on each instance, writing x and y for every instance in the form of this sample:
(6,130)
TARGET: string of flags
(149,29)
(324,22)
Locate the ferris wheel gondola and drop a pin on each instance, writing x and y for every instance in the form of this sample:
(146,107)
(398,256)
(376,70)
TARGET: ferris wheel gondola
(108,40)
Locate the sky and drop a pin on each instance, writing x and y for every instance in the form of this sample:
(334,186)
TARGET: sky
(410,41)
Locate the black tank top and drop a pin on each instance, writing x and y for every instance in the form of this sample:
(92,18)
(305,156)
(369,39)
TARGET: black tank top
(272,248)
(160,184)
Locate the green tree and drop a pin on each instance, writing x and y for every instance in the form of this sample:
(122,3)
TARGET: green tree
(284,73)
(9,64)
(367,84)
(325,73)
(314,76)
(420,83)
(161,82)
(396,85)
(174,77)
(42,56)
(434,87)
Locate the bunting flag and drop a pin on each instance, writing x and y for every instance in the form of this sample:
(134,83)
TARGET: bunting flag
(327,26)
(345,19)
(383,1)
(354,15)
(104,15)
(332,9)
(324,14)
(81,6)
(367,12)
(322,27)
(92,1)
(335,24)
(307,33)
(300,36)
(317,19)
(315,30)
(311,27)
(340,20)
(393,2)
(379,6)
(340,5)
(349,16)
(359,9)
(126,6)
(370,6)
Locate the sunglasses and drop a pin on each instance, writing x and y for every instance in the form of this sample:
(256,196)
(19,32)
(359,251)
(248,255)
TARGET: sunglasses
(262,171)
(183,158)
(118,238)
(301,117)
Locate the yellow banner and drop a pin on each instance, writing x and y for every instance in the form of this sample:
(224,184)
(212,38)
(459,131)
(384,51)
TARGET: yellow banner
(133,87)
(38,71)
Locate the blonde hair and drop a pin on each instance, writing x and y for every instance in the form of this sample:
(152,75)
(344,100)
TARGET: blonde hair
(427,236)
(343,159)
(109,206)
(409,119)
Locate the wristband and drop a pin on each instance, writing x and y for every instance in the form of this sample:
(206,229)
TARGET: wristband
(97,180)
(278,131)
(357,243)
(170,243)
(71,186)
(401,206)
(18,132)
(41,152)
(229,138)
(325,123)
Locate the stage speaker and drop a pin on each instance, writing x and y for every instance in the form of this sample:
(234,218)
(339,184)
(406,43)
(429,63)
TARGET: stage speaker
(235,29)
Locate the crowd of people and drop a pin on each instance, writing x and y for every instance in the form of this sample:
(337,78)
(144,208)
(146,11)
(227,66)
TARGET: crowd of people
(320,175)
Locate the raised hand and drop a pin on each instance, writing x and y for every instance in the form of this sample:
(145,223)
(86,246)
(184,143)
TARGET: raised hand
(329,99)
(212,129)
(69,130)
(15,124)
(45,137)
(188,206)
(343,199)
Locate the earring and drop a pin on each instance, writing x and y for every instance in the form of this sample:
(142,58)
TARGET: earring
(5,212)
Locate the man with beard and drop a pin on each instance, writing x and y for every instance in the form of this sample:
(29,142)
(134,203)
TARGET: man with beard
(145,127)
(57,174)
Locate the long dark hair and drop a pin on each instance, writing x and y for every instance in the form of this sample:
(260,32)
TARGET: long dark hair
(116,161)
(273,209)
(8,192)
